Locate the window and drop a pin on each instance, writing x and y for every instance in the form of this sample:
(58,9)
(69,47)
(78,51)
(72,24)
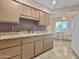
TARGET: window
(61,26)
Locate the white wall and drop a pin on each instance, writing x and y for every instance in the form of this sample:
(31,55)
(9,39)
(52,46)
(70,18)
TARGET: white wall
(75,34)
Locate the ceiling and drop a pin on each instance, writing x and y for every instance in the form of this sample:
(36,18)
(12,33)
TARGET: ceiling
(62,6)
(59,4)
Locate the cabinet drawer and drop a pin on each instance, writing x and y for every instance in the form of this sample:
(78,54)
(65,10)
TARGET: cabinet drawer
(30,39)
(17,57)
(10,52)
(9,43)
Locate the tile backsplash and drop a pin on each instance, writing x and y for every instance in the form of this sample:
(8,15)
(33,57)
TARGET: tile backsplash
(7,27)
(24,25)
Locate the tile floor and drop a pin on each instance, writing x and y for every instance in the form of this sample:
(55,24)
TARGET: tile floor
(61,50)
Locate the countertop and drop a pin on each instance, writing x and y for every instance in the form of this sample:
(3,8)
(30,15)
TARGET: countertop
(20,35)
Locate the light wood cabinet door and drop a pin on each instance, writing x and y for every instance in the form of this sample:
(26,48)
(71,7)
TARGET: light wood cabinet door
(48,43)
(47,22)
(3,10)
(35,13)
(28,51)
(42,18)
(13,11)
(38,47)
(25,10)
(9,11)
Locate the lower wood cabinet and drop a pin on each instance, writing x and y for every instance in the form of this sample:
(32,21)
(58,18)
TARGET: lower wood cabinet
(24,48)
(16,57)
(10,48)
(38,47)
(48,43)
(9,52)
(28,51)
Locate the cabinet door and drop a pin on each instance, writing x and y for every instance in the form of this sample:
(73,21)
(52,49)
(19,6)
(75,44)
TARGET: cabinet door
(9,10)
(48,43)
(42,18)
(25,10)
(35,13)
(27,51)
(13,11)
(3,10)
(38,47)
(47,22)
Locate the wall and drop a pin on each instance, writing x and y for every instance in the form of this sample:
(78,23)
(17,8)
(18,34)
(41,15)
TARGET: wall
(7,27)
(75,34)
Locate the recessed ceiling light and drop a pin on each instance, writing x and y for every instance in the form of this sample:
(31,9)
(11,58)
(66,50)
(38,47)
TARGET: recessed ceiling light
(54,2)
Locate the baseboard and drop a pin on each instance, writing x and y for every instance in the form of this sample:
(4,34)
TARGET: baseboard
(62,39)
(77,57)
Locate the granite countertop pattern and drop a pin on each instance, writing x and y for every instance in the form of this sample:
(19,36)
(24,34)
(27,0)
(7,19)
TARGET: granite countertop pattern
(20,35)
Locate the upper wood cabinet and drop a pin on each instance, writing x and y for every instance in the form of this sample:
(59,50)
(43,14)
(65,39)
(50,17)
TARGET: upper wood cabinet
(9,10)
(35,13)
(25,10)
(47,22)
(42,18)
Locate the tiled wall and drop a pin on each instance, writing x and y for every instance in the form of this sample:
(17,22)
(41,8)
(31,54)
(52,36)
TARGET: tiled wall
(29,24)
(24,25)
(7,27)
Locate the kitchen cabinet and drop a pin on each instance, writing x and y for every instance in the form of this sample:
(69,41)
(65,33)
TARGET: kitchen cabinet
(9,11)
(25,47)
(28,51)
(9,48)
(10,52)
(9,43)
(48,43)
(16,57)
(25,10)
(13,11)
(3,10)
(42,18)
(38,47)
(47,22)
(35,13)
